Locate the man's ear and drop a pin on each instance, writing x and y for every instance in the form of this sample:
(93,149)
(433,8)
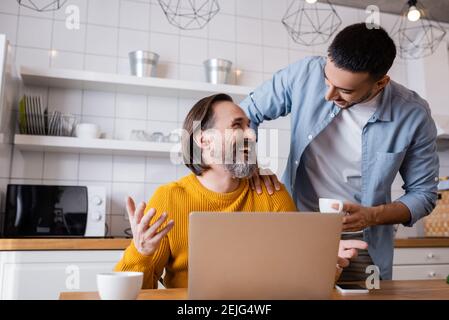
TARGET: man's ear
(200,140)
(383,82)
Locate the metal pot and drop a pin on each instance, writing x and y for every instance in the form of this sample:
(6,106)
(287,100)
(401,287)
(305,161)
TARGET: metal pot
(143,63)
(217,70)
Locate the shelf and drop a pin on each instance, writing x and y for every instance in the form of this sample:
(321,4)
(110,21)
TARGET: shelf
(79,79)
(94,146)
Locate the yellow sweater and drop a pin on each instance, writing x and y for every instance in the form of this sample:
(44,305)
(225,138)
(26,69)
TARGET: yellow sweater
(178,199)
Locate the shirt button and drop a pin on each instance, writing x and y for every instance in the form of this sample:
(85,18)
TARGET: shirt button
(436,179)
(310,137)
(296,162)
(332,115)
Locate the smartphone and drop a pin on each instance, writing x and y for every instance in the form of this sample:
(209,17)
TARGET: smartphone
(350,288)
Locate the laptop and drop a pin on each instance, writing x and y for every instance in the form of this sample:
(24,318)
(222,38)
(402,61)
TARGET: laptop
(240,255)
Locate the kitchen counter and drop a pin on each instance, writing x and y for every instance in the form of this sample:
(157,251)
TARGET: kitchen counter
(421,243)
(389,290)
(44,244)
(30,244)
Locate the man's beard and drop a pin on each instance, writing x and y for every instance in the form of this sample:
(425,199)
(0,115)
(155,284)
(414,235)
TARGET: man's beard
(241,166)
(241,170)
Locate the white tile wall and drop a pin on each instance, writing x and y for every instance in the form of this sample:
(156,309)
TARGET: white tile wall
(128,169)
(249,8)
(192,50)
(9,7)
(103,12)
(120,190)
(274,10)
(124,127)
(99,104)
(157,170)
(65,100)
(131,106)
(27,165)
(247,32)
(95,167)
(135,15)
(68,40)
(132,40)
(67,60)
(8,26)
(100,63)
(32,57)
(222,27)
(166,45)
(34,32)
(163,109)
(63,166)
(6,152)
(101,40)
(274,34)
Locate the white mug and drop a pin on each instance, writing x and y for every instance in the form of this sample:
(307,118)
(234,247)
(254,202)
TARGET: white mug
(119,285)
(326,205)
(88,131)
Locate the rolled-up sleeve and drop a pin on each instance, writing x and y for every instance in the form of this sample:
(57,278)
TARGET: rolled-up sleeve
(272,99)
(420,170)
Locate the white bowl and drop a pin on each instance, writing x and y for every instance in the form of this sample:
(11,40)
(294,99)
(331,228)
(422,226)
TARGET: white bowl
(88,131)
(119,285)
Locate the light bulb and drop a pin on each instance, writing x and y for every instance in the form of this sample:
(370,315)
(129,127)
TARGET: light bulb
(413,14)
(311,1)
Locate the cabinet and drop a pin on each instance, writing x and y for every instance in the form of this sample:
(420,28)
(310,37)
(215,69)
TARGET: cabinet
(420,263)
(44,274)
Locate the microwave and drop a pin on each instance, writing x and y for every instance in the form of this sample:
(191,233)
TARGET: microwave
(54,211)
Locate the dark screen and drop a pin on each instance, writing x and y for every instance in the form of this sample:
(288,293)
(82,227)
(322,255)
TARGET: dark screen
(37,210)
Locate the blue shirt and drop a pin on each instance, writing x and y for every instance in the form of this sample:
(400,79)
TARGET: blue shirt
(399,137)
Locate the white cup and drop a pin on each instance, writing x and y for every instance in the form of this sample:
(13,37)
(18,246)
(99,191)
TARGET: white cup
(119,285)
(88,131)
(326,205)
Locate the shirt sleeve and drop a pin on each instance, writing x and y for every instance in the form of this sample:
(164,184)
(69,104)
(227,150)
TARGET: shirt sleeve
(152,266)
(272,99)
(420,171)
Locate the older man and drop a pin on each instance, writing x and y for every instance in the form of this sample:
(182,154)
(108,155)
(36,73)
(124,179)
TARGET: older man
(215,185)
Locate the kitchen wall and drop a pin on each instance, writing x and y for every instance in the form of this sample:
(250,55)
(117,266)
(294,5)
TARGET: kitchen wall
(247,32)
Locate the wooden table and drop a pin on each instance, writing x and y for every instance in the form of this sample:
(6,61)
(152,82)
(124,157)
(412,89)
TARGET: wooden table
(389,290)
(46,244)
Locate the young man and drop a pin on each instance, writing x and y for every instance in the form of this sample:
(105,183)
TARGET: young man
(353,130)
(214,185)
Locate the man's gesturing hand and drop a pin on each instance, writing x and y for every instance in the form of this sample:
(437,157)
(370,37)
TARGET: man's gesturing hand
(145,236)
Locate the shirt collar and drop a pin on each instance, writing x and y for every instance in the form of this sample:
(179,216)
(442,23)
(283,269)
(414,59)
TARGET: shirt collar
(383,111)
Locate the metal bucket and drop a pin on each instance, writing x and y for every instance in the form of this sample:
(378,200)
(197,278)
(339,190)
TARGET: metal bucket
(143,63)
(217,70)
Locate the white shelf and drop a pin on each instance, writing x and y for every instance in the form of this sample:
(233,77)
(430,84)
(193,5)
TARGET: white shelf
(94,146)
(78,79)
